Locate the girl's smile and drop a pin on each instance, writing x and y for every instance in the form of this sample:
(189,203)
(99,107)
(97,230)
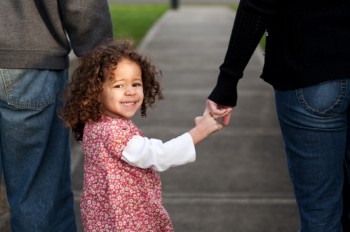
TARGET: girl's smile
(123,95)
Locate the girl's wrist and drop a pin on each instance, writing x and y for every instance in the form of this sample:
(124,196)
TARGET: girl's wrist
(197,135)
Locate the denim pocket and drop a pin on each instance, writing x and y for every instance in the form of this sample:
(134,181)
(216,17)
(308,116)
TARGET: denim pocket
(30,88)
(324,99)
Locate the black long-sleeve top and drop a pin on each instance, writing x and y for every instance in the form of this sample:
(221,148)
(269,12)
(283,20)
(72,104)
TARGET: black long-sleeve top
(308,42)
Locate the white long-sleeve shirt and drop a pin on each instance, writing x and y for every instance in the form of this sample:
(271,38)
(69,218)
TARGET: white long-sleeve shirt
(145,153)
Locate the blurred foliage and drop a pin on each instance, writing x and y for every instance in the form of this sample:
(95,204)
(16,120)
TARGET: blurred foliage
(134,20)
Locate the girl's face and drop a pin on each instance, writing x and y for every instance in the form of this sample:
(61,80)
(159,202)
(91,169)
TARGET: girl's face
(122,95)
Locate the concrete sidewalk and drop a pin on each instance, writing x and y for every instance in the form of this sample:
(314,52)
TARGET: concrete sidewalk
(239,182)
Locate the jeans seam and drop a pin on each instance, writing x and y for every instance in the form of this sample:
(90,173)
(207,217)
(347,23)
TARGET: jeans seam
(7,85)
(303,103)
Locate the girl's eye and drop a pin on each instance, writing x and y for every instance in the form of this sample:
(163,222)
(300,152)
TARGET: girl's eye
(118,86)
(137,84)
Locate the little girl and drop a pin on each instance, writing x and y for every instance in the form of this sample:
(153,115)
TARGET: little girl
(122,188)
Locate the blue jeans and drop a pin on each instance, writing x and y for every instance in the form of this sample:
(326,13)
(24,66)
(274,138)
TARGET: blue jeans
(315,124)
(35,150)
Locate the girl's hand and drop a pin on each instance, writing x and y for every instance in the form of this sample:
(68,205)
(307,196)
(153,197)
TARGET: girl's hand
(208,123)
(205,126)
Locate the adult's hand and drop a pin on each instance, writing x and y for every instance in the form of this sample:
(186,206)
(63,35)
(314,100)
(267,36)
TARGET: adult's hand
(219,111)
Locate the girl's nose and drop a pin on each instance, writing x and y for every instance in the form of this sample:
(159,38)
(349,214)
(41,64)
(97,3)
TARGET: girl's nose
(130,90)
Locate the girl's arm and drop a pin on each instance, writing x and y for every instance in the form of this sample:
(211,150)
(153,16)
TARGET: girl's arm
(143,152)
(153,153)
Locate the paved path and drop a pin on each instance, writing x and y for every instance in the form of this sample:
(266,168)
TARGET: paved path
(239,182)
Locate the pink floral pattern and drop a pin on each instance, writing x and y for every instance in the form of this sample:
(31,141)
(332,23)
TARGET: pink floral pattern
(117,196)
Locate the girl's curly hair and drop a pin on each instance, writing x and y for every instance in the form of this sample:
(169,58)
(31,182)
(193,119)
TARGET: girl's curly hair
(81,104)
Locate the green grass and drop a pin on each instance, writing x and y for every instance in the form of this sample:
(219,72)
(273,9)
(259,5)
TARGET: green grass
(134,20)
(263,39)
(235,6)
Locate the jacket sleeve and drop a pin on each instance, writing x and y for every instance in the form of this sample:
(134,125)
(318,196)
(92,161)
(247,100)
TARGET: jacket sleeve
(145,153)
(87,23)
(250,23)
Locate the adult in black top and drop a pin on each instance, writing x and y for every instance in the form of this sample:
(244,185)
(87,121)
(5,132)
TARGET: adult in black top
(307,62)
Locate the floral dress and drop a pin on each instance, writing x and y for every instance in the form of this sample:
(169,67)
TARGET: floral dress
(117,196)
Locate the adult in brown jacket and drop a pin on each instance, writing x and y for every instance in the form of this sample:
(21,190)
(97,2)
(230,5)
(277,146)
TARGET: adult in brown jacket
(36,38)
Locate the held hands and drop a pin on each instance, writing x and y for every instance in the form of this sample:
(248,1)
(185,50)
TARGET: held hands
(205,126)
(219,111)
